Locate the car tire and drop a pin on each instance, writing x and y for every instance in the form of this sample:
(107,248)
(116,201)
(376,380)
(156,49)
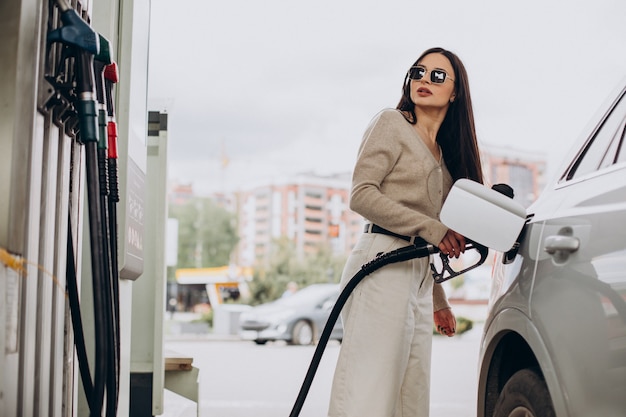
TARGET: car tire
(302,333)
(260,341)
(525,394)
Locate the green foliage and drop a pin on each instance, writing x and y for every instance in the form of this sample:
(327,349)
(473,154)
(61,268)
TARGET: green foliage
(270,280)
(206,317)
(457,282)
(207,233)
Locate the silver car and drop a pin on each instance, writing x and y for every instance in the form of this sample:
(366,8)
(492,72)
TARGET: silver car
(297,319)
(554,342)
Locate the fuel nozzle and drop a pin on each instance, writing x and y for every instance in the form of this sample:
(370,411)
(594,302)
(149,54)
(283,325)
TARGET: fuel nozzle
(75,31)
(111,77)
(101,60)
(447,272)
(77,34)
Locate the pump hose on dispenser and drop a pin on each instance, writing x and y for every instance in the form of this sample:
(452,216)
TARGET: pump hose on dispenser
(84,45)
(419,249)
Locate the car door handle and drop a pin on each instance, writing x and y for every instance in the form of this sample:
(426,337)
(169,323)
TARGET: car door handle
(561,243)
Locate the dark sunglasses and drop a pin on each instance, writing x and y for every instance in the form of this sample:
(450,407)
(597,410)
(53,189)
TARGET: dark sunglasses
(437,76)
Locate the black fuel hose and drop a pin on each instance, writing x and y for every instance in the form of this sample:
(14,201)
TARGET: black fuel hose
(111,78)
(83,42)
(88,122)
(77,321)
(419,249)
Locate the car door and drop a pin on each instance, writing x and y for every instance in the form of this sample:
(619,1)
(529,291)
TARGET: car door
(578,297)
(323,310)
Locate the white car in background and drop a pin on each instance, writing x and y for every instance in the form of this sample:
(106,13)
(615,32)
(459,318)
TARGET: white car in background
(554,342)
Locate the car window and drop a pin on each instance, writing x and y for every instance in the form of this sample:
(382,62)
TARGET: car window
(602,150)
(612,154)
(621,147)
(310,295)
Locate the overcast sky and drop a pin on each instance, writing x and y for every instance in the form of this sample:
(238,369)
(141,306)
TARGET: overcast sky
(286,86)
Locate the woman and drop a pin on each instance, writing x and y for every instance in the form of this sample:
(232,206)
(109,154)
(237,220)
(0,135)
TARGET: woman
(406,165)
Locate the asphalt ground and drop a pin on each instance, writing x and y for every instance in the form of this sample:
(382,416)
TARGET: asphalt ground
(241,379)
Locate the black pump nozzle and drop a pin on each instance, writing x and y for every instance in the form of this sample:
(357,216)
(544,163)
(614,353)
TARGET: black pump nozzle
(446,270)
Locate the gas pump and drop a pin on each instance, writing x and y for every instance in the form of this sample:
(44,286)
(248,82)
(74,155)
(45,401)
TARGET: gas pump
(84,45)
(89,109)
(71,228)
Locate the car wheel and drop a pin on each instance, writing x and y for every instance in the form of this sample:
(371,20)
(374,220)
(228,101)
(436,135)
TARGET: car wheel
(302,333)
(525,395)
(260,341)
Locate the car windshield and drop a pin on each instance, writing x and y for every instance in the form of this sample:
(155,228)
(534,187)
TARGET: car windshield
(311,294)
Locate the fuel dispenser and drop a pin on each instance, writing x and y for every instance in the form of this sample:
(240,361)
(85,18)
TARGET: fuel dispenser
(74,162)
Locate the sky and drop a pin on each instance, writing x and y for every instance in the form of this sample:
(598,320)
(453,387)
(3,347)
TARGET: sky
(257,91)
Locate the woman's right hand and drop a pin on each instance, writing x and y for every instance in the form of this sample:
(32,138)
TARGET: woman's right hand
(452,244)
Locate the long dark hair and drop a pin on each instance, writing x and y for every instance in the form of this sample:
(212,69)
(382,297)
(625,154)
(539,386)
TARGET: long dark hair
(457,134)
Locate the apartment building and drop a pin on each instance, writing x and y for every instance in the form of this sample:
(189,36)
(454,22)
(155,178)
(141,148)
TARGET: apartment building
(523,170)
(313,210)
(308,209)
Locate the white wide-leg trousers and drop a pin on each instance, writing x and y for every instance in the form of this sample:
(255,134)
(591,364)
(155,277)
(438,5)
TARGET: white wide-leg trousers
(383,369)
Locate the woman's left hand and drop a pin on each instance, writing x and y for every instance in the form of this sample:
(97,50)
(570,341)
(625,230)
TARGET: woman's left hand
(445,322)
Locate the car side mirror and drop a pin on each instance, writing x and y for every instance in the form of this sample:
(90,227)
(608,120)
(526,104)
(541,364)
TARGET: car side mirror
(483,215)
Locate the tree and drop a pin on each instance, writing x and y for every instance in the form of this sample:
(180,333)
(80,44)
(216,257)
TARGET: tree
(207,233)
(271,280)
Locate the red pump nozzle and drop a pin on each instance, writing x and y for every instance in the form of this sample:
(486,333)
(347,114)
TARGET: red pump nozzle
(110,73)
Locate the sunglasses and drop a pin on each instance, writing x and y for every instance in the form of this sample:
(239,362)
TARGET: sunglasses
(437,76)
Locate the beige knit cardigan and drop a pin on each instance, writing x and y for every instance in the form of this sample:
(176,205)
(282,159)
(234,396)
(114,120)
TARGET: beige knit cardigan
(399,185)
